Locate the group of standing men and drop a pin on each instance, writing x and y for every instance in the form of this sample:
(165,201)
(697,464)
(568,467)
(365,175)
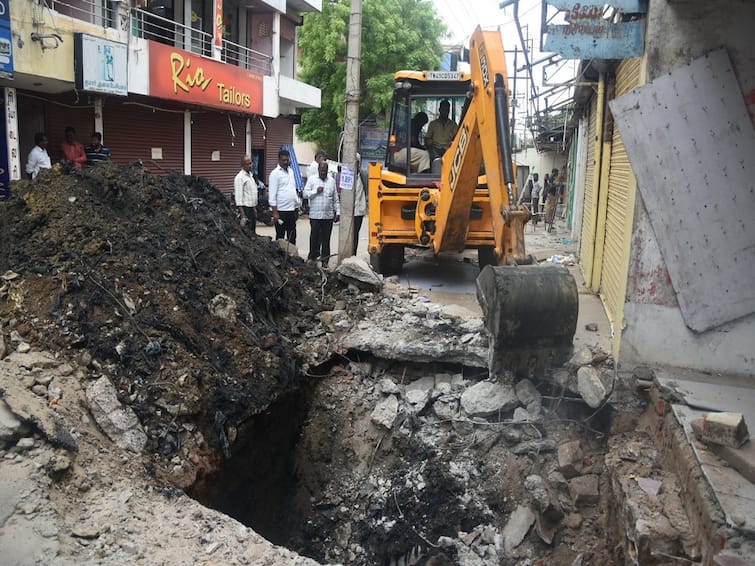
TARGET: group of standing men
(543,198)
(322,190)
(71,150)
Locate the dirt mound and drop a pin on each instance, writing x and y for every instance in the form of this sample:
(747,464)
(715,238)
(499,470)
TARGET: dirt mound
(152,282)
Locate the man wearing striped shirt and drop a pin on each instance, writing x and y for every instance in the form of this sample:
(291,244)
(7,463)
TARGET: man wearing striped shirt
(96,152)
(324,209)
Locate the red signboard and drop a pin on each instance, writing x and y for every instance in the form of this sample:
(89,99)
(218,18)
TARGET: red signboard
(192,79)
(218,23)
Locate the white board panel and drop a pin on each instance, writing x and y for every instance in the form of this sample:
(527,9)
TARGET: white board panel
(692,148)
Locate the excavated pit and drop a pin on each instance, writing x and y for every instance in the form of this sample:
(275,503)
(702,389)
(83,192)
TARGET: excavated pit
(317,474)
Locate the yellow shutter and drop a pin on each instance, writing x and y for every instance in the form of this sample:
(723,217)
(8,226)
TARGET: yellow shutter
(620,213)
(587,239)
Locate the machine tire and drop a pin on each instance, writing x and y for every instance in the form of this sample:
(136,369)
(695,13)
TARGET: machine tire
(486,256)
(389,261)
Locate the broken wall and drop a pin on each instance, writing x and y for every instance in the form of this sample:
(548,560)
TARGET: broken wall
(655,332)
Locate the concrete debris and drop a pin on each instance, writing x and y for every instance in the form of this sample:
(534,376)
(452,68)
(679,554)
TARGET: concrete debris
(487,398)
(517,527)
(387,386)
(566,379)
(582,357)
(417,399)
(117,421)
(10,426)
(570,457)
(591,387)
(591,327)
(527,393)
(584,490)
(650,486)
(725,429)
(358,272)
(385,412)
(223,307)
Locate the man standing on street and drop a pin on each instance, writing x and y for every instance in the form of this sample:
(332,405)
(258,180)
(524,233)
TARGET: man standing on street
(314,167)
(537,188)
(73,150)
(245,194)
(96,152)
(38,156)
(282,196)
(324,209)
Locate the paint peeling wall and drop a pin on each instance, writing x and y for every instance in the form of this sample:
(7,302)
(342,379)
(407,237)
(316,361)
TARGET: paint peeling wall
(654,331)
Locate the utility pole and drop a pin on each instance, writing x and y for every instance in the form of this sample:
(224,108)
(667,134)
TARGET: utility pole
(351,130)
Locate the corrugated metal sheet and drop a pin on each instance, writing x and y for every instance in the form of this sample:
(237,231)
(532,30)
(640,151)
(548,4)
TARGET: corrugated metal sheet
(587,240)
(280,131)
(212,132)
(620,200)
(131,131)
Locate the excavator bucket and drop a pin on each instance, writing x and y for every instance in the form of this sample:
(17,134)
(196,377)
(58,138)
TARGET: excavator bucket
(530,312)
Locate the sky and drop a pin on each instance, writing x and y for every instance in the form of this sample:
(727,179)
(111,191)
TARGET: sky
(462,17)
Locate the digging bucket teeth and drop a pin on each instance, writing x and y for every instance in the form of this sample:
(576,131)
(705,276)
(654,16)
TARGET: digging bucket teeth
(530,313)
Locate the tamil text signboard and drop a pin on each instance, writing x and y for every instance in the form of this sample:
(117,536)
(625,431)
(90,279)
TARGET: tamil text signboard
(188,78)
(615,30)
(101,65)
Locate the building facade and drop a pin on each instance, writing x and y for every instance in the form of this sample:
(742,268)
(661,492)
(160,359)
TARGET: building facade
(184,85)
(662,193)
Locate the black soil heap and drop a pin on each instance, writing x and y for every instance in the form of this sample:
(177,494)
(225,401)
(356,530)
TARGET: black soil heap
(153,282)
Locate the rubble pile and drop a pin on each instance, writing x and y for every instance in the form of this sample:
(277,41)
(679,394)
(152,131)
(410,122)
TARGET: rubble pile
(162,302)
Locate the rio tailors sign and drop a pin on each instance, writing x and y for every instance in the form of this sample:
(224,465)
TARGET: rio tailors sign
(189,78)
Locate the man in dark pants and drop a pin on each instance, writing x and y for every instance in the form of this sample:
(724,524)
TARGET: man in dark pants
(245,194)
(283,198)
(324,209)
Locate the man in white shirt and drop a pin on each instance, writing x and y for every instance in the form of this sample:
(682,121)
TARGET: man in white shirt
(314,167)
(324,209)
(537,188)
(283,198)
(38,156)
(245,193)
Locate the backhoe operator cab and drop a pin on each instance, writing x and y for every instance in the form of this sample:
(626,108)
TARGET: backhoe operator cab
(411,170)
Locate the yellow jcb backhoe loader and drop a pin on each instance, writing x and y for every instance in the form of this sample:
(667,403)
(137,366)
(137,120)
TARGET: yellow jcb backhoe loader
(467,199)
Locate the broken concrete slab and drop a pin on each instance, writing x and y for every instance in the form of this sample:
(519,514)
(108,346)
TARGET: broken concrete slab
(570,458)
(591,387)
(584,490)
(488,398)
(527,392)
(356,271)
(517,527)
(116,420)
(725,429)
(11,427)
(385,412)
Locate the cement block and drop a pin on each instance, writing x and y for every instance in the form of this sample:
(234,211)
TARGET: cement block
(726,429)
(585,490)
(570,457)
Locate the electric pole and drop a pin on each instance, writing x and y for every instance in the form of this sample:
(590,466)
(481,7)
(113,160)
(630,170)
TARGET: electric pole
(351,130)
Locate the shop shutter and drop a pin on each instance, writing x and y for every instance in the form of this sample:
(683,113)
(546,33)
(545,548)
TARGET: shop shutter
(587,239)
(620,202)
(213,132)
(280,131)
(132,130)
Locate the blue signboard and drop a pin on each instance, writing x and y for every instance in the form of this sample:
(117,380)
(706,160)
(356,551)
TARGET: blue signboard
(589,35)
(6,41)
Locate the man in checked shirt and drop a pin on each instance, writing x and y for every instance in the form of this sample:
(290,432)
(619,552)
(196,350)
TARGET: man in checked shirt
(324,209)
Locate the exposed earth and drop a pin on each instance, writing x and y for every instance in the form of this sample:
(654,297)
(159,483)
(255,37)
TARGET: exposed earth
(151,348)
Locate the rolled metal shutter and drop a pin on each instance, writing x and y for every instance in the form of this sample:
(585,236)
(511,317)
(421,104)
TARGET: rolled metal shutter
(222,133)
(131,131)
(280,131)
(59,114)
(587,240)
(620,200)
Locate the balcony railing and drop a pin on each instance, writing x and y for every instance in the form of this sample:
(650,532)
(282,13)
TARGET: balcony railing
(98,12)
(149,25)
(246,58)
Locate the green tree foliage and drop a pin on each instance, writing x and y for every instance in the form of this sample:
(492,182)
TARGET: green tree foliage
(396,34)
